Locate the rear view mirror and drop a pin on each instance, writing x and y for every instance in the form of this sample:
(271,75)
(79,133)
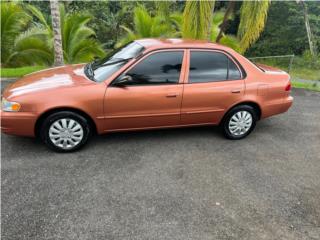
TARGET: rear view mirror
(123,81)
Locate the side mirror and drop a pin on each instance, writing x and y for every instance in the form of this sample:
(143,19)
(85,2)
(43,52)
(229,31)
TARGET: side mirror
(123,81)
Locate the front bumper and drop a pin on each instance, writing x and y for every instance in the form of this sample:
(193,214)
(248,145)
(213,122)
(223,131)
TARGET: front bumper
(18,123)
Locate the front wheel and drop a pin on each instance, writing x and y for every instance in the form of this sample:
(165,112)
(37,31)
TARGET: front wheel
(239,122)
(65,131)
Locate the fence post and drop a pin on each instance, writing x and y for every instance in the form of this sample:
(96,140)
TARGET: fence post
(290,64)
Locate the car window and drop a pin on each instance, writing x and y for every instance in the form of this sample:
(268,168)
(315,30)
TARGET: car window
(158,68)
(233,71)
(208,66)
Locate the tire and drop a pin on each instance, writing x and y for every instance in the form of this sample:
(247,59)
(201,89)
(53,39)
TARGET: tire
(65,131)
(238,129)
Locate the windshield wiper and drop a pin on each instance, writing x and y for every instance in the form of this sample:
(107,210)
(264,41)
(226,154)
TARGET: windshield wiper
(113,62)
(90,67)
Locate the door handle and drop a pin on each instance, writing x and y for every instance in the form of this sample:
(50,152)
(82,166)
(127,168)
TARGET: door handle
(235,91)
(172,95)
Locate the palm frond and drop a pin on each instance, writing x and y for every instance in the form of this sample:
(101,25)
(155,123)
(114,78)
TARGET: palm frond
(197,18)
(86,51)
(253,15)
(163,8)
(38,14)
(146,26)
(31,48)
(72,24)
(217,20)
(35,46)
(160,28)
(130,33)
(13,20)
(142,21)
(230,41)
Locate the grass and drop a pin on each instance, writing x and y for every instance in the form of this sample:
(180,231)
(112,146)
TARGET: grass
(300,69)
(19,72)
(309,86)
(305,73)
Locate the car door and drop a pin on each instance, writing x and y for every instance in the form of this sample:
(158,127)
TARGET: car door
(153,96)
(214,82)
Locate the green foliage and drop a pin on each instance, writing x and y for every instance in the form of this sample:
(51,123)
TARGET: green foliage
(13,20)
(197,16)
(253,16)
(227,39)
(26,28)
(310,86)
(146,26)
(32,47)
(19,72)
(79,43)
(285,31)
(163,8)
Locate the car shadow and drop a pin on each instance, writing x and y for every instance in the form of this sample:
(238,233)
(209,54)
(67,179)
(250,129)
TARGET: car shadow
(11,145)
(155,134)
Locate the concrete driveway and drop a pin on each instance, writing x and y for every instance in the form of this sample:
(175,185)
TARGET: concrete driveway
(170,184)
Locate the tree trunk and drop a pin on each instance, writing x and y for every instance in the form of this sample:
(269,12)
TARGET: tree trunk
(225,19)
(56,27)
(309,34)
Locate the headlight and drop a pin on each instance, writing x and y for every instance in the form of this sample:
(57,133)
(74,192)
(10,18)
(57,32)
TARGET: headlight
(10,106)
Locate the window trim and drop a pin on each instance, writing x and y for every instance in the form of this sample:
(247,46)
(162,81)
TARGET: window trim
(243,74)
(144,56)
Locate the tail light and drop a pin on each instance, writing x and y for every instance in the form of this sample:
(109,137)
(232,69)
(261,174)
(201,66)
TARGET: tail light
(288,87)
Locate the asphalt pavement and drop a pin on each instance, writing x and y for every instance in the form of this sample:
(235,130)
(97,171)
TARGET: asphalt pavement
(170,184)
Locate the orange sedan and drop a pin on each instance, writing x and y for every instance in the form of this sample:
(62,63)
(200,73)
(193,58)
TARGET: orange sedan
(148,84)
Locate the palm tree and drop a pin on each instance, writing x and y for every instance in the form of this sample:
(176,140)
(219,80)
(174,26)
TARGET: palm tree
(55,17)
(226,17)
(78,40)
(217,32)
(13,21)
(173,25)
(146,26)
(253,15)
(197,19)
(198,25)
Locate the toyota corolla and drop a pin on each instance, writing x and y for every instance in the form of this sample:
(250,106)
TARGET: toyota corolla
(147,84)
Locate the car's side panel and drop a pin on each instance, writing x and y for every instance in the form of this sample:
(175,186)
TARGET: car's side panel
(208,102)
(268,90)
(143,106)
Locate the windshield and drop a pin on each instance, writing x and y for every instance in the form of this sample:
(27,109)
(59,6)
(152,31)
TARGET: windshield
(102,69)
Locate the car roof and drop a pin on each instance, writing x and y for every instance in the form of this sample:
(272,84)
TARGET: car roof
(154,43)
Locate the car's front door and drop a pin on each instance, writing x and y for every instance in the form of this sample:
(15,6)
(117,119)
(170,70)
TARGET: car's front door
(152,98)
(214,82)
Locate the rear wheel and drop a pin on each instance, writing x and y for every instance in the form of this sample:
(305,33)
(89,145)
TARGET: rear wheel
(65,131)
(239,122)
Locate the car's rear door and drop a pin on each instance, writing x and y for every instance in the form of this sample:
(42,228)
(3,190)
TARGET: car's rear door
(153,98)
(213,83)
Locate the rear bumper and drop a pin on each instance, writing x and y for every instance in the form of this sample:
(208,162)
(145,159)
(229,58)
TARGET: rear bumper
(278,107)
(18,123)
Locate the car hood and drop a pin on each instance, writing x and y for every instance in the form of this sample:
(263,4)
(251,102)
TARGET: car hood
(59,77)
